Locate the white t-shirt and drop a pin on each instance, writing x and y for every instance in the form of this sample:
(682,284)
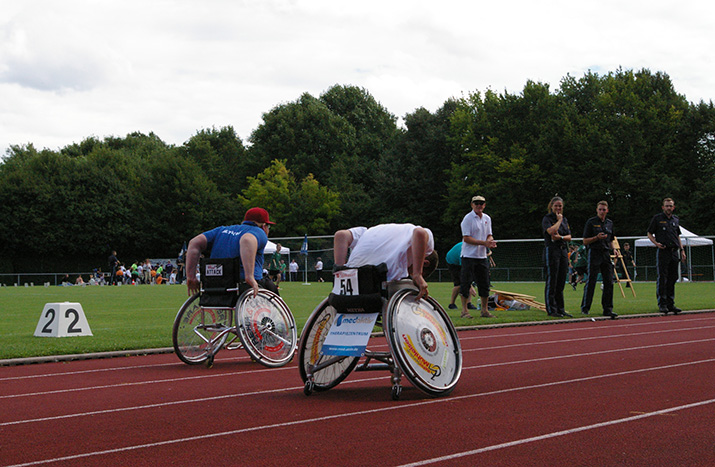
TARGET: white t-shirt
(479,229)
(390,244)
(356,233)
(293,267)
(319,266)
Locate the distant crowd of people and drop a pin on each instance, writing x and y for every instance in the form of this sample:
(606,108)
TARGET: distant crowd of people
(139,272)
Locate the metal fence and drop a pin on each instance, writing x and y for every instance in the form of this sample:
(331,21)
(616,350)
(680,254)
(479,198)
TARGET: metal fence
(517,260)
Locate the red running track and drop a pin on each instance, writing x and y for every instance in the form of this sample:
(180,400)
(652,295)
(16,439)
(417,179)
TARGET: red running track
(634,392)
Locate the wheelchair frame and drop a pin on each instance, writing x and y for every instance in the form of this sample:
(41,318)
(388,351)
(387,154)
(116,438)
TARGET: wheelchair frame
(322,372)
(200,332)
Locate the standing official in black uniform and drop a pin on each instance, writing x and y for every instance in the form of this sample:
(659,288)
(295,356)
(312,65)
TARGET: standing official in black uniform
(557,233)
(664,232)
(598,237)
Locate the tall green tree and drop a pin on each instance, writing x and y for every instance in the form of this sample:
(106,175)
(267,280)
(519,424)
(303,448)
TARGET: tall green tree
(220,154)
(306,134)
(626,137)
(416,174)
(340,138)
(296,207)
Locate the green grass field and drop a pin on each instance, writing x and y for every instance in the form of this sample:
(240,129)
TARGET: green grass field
(141,317)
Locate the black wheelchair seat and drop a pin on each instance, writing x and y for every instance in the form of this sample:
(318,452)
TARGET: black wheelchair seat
(220,282)
(372,287)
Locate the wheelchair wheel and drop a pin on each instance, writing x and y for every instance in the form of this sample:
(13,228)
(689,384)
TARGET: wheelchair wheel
(321,372)
(266,328)
(423,342)
(199,332)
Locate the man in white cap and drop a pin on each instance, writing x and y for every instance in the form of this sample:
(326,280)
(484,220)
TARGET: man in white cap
(477,239)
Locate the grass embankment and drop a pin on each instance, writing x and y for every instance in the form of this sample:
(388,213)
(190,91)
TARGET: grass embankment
(141,317)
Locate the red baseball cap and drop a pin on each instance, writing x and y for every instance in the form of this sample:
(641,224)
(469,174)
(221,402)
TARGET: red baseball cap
(257,215)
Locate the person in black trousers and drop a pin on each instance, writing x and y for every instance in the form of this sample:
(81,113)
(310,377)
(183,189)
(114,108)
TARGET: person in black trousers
(557,234)
(664,232)
(113,265)
(598,237)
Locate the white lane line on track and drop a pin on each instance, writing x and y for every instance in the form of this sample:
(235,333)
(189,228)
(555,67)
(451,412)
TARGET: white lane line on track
(393,408)
(611,325)
(138,383)
(119,368)
(559,433)
(228,396)
(586,354)
(166,404)
(462,339)
(581,339)
(234,373)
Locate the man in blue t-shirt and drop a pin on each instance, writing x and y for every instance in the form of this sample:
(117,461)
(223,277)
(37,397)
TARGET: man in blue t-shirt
(245,241)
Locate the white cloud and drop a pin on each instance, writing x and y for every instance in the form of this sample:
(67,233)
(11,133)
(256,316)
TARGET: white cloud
(80,68)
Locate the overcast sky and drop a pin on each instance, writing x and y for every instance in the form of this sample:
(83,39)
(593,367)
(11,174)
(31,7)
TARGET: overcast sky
(70,69)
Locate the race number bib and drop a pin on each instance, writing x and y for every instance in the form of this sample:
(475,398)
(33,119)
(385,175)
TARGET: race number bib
(346,282)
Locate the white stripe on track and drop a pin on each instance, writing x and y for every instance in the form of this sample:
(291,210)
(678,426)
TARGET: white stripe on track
(581,339)
(399,407)
(138,383)
(234,373)
(462,339)
(361,380)
(586,354)
(611,325)
(559,433)
(118,368)
(166,404)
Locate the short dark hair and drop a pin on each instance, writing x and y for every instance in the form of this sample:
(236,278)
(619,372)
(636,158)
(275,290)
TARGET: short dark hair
(433,259)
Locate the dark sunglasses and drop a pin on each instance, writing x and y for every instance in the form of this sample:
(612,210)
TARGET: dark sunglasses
(479,202)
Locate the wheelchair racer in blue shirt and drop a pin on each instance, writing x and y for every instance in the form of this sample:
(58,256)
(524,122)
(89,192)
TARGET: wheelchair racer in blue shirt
(245,241)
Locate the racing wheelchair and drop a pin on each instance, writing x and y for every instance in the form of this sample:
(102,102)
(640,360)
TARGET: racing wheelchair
(422,342)
(224,314)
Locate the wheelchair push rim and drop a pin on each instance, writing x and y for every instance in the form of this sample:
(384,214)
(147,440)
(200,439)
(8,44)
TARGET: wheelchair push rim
(423,342)
(321,372)
(200,332)
(266,328)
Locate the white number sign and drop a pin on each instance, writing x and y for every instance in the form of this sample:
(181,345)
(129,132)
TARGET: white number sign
(62,320)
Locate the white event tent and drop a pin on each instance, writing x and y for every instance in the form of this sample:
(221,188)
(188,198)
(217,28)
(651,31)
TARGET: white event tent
(271,248)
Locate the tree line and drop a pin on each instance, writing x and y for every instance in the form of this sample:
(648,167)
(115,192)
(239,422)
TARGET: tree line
(340,159)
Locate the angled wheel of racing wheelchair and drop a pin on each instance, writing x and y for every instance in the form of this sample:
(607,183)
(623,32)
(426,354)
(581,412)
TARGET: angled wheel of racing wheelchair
(199,332)
(423,342)
(266,328)
(321,372)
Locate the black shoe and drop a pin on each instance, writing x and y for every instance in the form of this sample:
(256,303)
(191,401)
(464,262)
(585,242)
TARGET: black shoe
(555,315)
(573,285)
(566,315)
(610,314)
(585,312)
(675,310)
(662,309)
